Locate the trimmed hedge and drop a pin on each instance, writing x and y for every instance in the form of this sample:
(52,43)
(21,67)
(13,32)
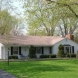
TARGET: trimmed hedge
(48,56)
(71,55)
(13,57)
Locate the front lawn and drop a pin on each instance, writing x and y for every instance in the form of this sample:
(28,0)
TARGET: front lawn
(43,69)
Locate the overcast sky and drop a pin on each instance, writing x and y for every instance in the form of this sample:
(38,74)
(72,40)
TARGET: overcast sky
(15,7)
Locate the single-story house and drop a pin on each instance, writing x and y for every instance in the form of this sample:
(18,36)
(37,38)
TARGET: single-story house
(17,45)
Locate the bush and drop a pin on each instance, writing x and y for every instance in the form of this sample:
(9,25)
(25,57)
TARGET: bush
(44,56)
(60,47)
(32,52)
(13,57)
(71,55)
(48,56)
(53,56)
(60,51)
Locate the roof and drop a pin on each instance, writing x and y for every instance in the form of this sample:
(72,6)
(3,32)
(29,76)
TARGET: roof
(30,40)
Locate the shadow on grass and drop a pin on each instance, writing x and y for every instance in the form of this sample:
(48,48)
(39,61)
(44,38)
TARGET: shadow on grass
(32,67)
(28,68)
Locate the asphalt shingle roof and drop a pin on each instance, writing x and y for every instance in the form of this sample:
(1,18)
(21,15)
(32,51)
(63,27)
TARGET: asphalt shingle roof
(30,40)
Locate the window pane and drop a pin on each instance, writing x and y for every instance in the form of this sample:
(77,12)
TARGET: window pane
(15,50)
(39,50)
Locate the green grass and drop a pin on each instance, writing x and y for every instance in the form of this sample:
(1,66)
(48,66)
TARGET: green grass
(43,69)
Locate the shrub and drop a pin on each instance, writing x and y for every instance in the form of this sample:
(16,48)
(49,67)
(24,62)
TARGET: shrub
(13,57)
(60,51)
(44,56)
(71,55)
(53,56)
(48,56)
(60,47)
(32,52)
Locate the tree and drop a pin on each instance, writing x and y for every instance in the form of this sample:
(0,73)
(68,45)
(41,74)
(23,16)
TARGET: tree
(6,22)
(70,4)
(32,52)
(18,29)
(60,51)
(41,20)
(67,13)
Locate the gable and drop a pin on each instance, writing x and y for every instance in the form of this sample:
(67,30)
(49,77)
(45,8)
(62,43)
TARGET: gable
(66,41)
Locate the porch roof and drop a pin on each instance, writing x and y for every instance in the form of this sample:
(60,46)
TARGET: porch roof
(30,40)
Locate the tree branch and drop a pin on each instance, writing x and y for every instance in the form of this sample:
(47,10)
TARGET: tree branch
(68,5)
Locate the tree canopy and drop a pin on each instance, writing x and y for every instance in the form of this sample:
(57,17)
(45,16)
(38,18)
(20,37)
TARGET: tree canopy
(44,18)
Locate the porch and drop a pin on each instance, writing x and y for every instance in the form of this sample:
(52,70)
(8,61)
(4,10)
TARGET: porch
(23,51)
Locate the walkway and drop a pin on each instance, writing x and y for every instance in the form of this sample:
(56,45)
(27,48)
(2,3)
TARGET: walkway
(4,74)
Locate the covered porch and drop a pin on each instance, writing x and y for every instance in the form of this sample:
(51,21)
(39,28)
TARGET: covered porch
(23,51)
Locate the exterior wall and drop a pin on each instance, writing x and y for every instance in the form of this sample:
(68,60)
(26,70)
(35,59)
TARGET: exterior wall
(46,50)
(2,51)
(25,51)
(65,41)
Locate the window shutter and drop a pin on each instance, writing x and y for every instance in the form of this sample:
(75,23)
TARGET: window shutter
(19,50)
(72,49)
(42,50)
(11,50)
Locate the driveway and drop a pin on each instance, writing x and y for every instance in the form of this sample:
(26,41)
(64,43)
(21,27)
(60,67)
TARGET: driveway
(4,74)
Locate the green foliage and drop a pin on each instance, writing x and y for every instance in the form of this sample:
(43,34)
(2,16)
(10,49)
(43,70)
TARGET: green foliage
(32,52)
(43,18)
(6,22)
(60,51)
(13,57)
(48,56)
(71,55)
(60,47)
(67,12)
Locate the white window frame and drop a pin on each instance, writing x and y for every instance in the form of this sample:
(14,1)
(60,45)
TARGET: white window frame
(38,50)
(17,50)
(67,47)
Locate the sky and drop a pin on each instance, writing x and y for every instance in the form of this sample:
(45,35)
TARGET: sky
(15,7)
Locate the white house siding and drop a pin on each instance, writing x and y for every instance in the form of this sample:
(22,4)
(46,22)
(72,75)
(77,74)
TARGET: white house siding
(46,50)
(5,52)
(2,51)
(25,51)
(65,41)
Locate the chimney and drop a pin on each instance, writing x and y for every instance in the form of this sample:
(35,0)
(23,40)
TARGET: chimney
(70,36)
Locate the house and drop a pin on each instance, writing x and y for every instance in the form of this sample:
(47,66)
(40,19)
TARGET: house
(19,45)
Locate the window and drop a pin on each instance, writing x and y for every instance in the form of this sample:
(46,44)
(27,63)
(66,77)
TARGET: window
(15,50)
(38,50)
